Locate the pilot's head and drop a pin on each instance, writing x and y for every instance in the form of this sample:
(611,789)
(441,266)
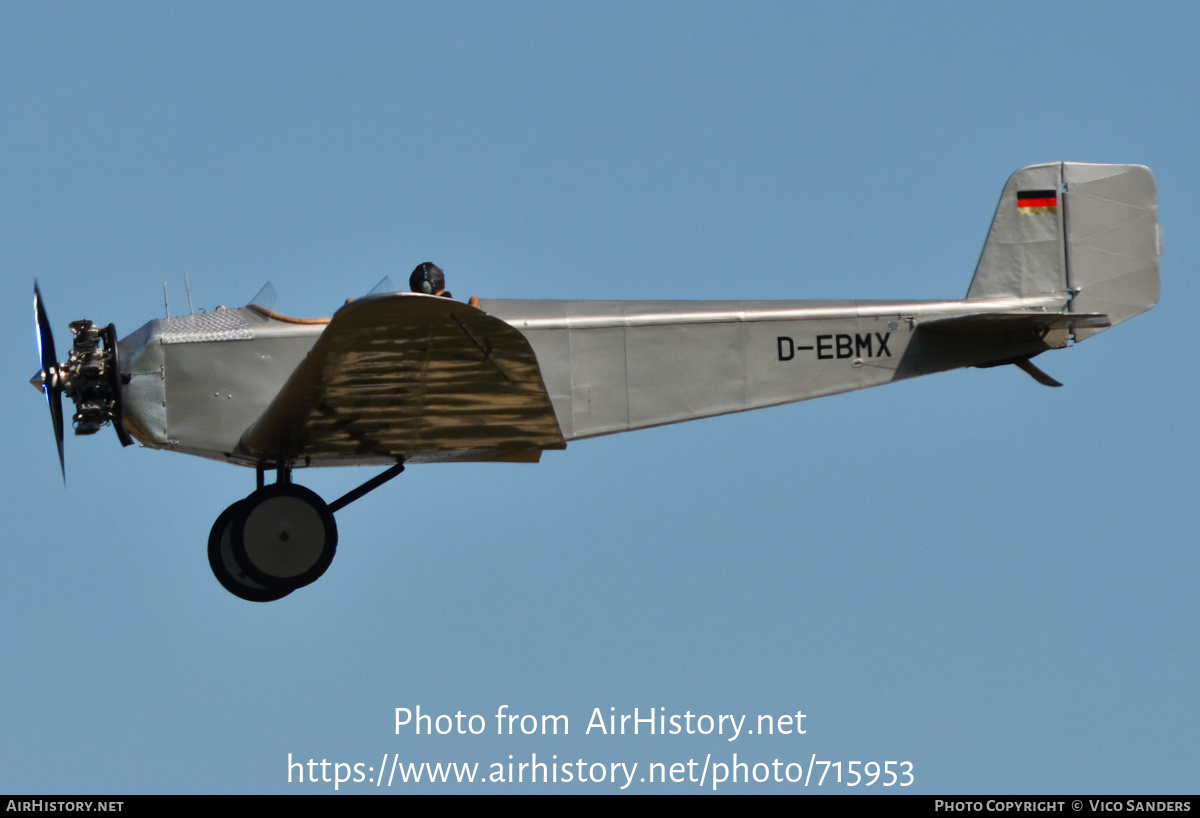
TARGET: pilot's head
(427,278)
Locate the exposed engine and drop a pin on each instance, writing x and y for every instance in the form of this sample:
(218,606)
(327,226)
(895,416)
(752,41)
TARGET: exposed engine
(91,377)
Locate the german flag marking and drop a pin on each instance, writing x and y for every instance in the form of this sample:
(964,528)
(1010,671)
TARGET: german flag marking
(1037,202)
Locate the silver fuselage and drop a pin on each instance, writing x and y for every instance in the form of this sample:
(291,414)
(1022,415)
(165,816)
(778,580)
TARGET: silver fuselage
(198,382)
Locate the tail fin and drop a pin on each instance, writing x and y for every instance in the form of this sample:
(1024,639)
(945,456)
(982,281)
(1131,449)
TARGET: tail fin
(1108,263)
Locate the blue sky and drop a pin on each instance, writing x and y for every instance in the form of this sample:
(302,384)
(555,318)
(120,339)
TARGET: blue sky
(990,579)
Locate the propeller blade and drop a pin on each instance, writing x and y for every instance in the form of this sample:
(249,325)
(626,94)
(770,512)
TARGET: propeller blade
(49,374)
(45,336)
(56,414)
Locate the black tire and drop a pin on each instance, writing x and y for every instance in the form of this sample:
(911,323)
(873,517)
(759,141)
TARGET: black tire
(225,567)
(283,536)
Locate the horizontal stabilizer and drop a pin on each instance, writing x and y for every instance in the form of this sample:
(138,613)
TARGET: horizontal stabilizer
(1003,323)
(991,339)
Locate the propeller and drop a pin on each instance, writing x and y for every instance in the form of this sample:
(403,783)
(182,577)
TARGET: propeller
(49,378)
(91,377)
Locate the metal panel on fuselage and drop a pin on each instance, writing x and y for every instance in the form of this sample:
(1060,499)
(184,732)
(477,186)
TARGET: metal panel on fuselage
(196,382)
(216,389)
(616,366)
(695,370)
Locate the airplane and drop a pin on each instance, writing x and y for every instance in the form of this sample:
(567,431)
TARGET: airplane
(394,379)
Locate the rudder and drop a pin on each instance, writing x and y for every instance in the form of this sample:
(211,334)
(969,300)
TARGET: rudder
(1113,240)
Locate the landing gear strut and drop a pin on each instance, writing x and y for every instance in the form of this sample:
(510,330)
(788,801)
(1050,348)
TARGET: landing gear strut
(280,538)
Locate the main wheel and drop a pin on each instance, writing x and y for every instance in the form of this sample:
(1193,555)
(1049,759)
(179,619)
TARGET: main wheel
(283,536)
(225,567)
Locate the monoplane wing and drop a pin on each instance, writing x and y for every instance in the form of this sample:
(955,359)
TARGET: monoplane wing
(414,378)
